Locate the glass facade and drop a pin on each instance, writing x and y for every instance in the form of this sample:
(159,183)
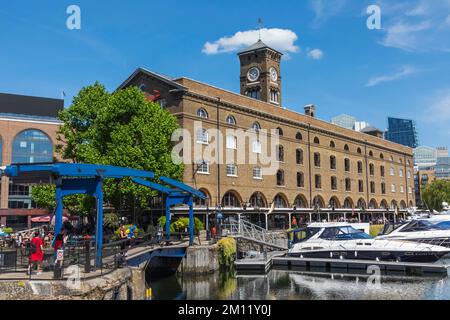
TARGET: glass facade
(32,146)
(443,168)
(402,131)
(344,121)
(425,157)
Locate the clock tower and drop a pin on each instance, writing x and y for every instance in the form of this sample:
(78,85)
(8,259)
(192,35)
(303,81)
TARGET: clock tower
(260,73)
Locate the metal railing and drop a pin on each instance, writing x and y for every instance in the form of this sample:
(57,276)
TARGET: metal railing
(245,229)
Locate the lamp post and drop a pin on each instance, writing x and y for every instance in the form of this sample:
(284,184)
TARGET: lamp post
(208,233)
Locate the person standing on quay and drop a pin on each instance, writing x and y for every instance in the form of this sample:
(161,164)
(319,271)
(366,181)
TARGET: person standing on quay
(36,253)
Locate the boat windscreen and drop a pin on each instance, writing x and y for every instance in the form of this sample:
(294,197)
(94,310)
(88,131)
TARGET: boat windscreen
(420,225)
(343,233)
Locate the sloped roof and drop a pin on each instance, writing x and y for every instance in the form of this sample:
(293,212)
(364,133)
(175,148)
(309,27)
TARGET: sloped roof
(163,78)
(257,46)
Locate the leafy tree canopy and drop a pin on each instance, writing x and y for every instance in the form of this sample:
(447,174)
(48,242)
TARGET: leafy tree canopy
(436,193)
(121,129)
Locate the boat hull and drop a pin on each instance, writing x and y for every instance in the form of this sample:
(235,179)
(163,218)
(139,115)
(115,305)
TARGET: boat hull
(375,255)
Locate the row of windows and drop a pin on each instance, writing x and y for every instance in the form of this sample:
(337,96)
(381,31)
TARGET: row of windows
(232,199)
(232,171)
(231,143)
(202,113)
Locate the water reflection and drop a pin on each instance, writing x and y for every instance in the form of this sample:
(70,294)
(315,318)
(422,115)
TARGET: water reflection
(300,285)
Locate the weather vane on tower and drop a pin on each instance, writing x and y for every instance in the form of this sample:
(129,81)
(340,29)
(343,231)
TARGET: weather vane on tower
(260,26)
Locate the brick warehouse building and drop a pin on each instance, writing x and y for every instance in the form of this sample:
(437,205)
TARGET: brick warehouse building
(28,128)
(321,165)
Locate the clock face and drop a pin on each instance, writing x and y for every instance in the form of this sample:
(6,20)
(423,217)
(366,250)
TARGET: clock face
(273,74)
(253,74)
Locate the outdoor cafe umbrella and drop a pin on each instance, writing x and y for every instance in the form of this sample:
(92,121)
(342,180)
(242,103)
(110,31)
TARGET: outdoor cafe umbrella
(47,219)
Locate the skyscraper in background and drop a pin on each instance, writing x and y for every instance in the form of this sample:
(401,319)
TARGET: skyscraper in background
(344,121)
(402,131)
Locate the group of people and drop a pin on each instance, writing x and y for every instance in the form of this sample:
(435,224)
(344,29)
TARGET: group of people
(36,251)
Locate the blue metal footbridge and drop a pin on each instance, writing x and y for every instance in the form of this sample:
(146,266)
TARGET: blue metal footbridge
(88,179)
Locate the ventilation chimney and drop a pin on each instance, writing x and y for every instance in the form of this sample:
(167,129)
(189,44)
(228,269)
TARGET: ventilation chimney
(310,110)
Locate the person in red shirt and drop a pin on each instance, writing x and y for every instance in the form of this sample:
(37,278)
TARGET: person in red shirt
(37,253)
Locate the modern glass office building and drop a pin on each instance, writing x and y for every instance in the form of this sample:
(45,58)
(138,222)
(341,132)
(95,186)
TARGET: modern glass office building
(402,131)
(425,157)
(344,121)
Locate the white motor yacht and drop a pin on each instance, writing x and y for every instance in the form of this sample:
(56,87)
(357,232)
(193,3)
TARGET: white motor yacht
(342,241)
(434,231)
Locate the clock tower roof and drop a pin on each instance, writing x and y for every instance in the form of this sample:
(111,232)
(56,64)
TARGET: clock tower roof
(257,46)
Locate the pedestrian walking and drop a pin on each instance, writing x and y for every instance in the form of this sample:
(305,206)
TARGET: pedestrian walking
(36,253)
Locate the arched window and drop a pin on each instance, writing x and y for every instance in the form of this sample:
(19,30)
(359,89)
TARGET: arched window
(318,202)
(334,203)
(231,120)
(32,146)
(317,160)
(231,200)
(300,202)
(361,204)
(280,153)
(280,178)
(401,173)
(346,148)
(256,126)
(201,113)
(280,132)
(372,169)
(370,153)
(360,167)
(381,156)
(300,180)
(333,163)
(257,200)
(347,165)
(332,144)
(299,136)
(203,203)
(280,202)
(299,156)
(348,203)
(359,151)
(316,140)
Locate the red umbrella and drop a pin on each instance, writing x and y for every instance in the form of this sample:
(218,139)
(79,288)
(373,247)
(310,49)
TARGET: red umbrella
(47,219)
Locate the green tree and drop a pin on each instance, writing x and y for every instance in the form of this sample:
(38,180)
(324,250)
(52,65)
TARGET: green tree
(122,129)
(436,193)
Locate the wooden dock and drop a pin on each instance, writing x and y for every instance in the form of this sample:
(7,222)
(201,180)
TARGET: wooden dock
(334,265)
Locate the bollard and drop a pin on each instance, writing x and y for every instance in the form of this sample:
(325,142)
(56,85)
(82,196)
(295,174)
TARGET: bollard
(148,294)
(87,263)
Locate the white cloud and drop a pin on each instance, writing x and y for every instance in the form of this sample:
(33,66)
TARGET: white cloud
(279,39)
(416,25)
(408,37)
(315,54)
(325,9)
(404,72)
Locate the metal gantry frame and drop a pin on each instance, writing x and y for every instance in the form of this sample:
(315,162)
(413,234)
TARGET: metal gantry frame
(74,178)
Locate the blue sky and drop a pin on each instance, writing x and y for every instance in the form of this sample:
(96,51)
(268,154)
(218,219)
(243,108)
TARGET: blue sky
(332,59)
